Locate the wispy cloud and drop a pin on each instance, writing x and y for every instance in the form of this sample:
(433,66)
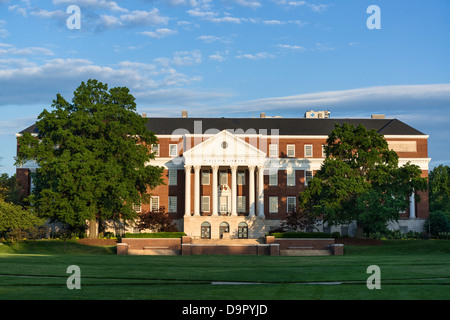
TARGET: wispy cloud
(159,33)
(255,56)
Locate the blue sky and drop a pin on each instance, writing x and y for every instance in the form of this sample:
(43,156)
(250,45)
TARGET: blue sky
(231,58)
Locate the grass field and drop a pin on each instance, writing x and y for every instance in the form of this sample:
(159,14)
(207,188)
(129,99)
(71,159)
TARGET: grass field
(416,270)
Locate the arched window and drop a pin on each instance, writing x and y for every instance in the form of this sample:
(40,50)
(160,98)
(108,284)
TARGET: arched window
(206,230)
(242,230)
(224,228)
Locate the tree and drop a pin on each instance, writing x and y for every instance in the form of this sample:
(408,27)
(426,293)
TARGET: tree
(360,181)
(158,221)
(15,220)
(9,189)
(92,155)
(437,223)
(439,187)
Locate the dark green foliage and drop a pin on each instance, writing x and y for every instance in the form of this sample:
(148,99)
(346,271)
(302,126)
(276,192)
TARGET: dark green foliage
(439,188)
(155,235)
(437,223)
(360,181)
(92,156)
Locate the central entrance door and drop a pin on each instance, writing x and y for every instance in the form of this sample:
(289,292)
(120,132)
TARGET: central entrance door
(224,228)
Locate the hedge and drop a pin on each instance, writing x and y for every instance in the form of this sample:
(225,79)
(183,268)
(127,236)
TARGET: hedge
(155,235)
(301,235)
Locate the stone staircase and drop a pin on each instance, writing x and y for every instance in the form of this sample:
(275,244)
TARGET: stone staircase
(227,242)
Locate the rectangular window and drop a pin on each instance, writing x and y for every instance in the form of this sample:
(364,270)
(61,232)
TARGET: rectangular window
(273,204)
(273,151)
(324,154)
(223,177)
(172,204)
(308,150)
(173,177)
(154,204)
(291,177)
(273,179)
(290,204)
(308,176)
(241,204)
(205,203)
(155,149)
(137,207)
(173,150)
(241,178)
(205,178)
(291,150)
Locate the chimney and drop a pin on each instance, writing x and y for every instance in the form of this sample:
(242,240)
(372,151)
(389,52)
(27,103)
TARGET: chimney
(378,116)
(184,114)
(262,115)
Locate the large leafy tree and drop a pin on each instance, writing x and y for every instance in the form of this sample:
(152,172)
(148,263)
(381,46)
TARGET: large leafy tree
(360,180)
(439,187)
(92,156)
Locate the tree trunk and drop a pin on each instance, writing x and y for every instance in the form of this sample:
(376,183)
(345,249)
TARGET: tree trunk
(93,229)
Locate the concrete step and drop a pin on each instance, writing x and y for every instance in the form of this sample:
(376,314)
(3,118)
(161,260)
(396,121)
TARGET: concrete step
(226,242)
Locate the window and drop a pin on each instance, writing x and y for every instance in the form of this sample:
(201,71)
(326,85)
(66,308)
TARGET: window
(173,150)
(273,179)
(241,204)
(290,150)
(241,178)
(273,150)
(242,230)
(205,204)
(223,177)
(291,177)
(273,204)
(308,150)
(205,178)
(155,149)
(324,154)
(154,204)
(137,207)
(172,177)
(290,204)
(206,230)
(172,204)
(308,176)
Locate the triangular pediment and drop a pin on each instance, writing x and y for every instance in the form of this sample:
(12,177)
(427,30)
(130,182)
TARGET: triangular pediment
(224,148)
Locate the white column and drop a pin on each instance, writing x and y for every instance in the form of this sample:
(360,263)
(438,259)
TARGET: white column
(187,191)
(233,190)
(251,190)
(197,191)
(412,206)
(261,192)
(215,196)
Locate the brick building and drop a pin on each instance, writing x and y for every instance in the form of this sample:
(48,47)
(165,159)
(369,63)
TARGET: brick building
(238,177)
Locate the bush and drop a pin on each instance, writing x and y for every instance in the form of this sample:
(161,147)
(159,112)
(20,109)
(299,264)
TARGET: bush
(336,235)
(155,235)
(439,223)
(301,235)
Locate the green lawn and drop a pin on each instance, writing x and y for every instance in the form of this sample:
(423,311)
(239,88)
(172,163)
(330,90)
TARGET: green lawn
(409,270)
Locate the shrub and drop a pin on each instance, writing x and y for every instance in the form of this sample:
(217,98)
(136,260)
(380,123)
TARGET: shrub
(437,223)
(336,235)
(155,235)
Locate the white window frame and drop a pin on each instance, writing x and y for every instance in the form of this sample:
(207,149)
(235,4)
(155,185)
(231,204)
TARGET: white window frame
(155,149)
(273,178)
(241,178)
(152,202)
(273,201)
(206,180)
(137,207)
(273,150)
(308,155)
(324,155)
(290,150)
(173,173)
(241,202)
(172,205)
(205,200)
(312,175)
(225,174)
(290,177)
(171,153)
(287,204)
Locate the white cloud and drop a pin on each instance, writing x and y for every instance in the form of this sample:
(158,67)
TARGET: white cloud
(212,16)
(257,56)
(159,33)
(248,3)
(272,22)
(291,47)
(94,4)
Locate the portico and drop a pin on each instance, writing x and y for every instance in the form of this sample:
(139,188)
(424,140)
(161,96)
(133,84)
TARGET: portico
(219,160)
